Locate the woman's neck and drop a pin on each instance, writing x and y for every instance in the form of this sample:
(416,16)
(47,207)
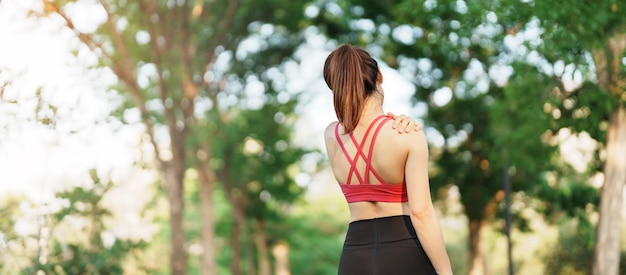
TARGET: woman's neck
(373,108)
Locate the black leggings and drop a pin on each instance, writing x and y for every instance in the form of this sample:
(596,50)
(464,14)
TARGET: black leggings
(383,246)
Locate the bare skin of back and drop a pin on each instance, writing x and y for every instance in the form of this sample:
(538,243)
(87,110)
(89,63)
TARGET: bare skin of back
(389,159)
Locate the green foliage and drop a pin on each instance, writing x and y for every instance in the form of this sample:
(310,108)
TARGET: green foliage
(568,194)
(573,251)
(312,230)
(188,67)
(257,163)
(14,104)
(9,211)
(254,149)
(314,238)
(586,109)
(577,26)
(97,256)
(223,229)
(521,123)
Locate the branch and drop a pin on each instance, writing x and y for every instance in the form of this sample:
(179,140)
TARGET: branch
(210,54)
(185,48)
(123,70)
(86,39)
(125,61)
(228,20)
(158,55)
(158,52)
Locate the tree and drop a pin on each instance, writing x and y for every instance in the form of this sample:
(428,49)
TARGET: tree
(174,59)
(100,255)
(70,234)
(589,38)
(258,166)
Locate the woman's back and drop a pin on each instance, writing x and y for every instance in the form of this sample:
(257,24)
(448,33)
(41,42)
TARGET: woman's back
(386,152)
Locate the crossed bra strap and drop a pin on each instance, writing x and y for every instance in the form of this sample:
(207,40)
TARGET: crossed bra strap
(360,153)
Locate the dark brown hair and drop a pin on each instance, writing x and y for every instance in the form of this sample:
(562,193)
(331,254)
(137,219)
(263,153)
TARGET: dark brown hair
(351,74)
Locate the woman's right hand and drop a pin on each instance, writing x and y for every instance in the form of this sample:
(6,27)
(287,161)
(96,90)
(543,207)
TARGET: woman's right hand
(404,124)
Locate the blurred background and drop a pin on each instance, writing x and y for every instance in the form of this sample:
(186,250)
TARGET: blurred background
(185,137)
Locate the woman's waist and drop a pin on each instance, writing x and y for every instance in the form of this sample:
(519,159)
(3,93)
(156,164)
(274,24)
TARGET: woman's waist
(367,210)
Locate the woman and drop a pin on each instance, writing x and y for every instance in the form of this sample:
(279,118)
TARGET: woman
(383,175)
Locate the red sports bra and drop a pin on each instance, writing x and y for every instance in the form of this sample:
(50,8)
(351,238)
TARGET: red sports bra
(364,190)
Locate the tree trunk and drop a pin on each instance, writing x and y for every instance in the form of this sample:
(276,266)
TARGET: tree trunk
(174,188)
(249,247)
(608,62)
(281,254)
(476,255)
(238,204)
(261,246)
(206,178)
(235,237)
(607,247)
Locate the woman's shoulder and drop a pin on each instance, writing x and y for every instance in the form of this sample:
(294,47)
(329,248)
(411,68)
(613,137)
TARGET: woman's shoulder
(411,138)
(329,132)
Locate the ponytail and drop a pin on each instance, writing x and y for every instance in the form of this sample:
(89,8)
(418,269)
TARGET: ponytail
(351,74)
